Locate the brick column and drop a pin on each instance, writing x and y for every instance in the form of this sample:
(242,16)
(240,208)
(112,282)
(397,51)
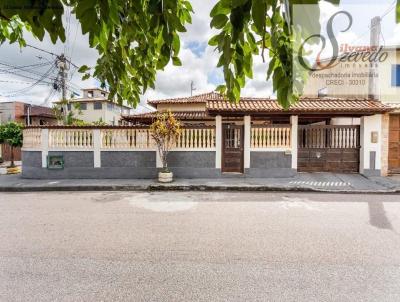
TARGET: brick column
(294,121)
(218,141)
(247,134)
(385,145)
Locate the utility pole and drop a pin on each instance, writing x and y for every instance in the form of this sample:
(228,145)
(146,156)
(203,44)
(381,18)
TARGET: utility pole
(62,75)
(374,42)
(62,68)
(192,88)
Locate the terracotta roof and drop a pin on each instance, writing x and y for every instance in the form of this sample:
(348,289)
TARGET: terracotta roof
(200,98)
(180,115)
(315,105)
(40,111)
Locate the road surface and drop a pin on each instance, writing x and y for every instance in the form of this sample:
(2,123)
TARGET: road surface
(199,246)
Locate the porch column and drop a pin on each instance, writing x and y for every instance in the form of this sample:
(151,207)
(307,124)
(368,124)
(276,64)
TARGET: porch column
(45,147)
(294,121)
(247,134)
(371,145)
(96,148)
(218,141)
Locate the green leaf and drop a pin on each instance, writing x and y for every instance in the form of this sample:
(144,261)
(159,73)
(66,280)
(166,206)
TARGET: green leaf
(176,61)
(219,21)
(258,13)
(221,8)
(398,11)
(83,69)
(236,3)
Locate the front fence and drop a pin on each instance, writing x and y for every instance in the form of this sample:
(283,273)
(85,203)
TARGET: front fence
(196,137)
(70,138)
(329,136)
(128,138)
(270,136)
(114,138)
(32,137)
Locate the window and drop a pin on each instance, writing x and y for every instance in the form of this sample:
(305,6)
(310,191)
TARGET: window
(103,94)
(90,94)
(396,75)
(97,106)
(83,106)
(69,107)
(110,106)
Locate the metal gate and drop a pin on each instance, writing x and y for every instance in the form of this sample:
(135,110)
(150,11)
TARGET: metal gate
(329,148)
(232,148)
(394,143)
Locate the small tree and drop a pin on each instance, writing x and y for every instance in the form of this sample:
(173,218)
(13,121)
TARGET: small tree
(11,134)
(165,131)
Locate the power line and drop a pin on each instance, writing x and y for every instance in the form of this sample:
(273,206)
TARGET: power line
(40,49)
(390,8)
(15,68)
(21,75)
(26,67)
(21,82)
(16,92)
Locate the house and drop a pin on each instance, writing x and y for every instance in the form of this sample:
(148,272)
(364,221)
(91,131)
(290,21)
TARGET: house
(95,106)
(26,114)
(253,138)
(379,81)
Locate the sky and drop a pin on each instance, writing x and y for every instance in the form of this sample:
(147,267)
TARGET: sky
(199,59)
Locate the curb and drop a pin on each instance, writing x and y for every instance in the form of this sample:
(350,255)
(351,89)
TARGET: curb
(205,188)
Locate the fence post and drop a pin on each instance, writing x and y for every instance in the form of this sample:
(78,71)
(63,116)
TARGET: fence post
(247,133)
(294,121)
(97,148)
(44,146)
(218,141)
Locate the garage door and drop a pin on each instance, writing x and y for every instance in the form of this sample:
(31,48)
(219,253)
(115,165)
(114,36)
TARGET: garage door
(329,149)
(394,143)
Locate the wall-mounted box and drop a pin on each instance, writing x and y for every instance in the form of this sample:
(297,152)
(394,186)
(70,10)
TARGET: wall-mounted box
(374,137)
(55,162)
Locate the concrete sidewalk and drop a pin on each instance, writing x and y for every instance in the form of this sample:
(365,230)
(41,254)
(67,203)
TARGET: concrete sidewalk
(307,182)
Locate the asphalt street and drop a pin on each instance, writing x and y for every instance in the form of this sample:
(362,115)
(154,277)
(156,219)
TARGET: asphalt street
(199,246)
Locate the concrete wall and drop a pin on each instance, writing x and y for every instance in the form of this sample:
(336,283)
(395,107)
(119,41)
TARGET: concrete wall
(81,165)
(371,152)
(193,164)
(143,165)
(270,164)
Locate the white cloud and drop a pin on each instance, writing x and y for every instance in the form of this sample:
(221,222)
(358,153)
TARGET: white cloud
(172,82)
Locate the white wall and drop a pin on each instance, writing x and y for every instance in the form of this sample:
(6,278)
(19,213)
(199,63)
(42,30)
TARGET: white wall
(370,124)
(346,121)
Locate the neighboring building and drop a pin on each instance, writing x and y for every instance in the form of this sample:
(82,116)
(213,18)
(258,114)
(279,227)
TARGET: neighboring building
(95,106)
(26,114)
(383,86)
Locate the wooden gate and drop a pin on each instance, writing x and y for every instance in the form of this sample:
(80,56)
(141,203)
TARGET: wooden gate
(232,148)
(329,148)
(394,143)
(6,153)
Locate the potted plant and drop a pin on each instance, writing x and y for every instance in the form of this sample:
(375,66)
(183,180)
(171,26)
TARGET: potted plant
(165,130)
(11,134)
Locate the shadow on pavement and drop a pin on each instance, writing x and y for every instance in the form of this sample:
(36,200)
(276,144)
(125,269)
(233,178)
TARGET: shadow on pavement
(377,215)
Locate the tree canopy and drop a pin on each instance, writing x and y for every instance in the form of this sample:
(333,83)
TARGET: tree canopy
(11,134)
(136,38)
